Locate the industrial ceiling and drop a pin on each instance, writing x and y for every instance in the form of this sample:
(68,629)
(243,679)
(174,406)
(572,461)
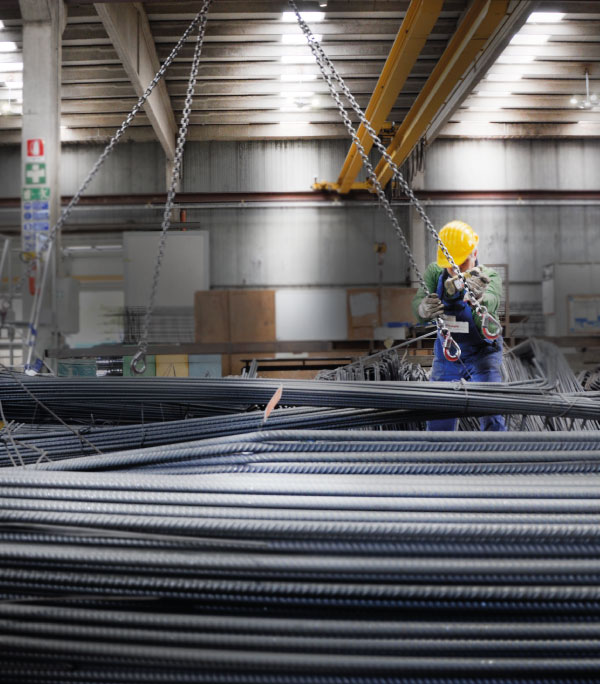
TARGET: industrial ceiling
(258,80)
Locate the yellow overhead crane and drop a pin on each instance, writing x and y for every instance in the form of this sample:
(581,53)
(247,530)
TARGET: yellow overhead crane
(479,23)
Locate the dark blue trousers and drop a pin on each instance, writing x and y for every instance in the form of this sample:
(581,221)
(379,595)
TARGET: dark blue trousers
(477,367)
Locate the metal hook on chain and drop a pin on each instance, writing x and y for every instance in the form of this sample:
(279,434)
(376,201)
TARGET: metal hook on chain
(138,363)
(450,348)
(486,320)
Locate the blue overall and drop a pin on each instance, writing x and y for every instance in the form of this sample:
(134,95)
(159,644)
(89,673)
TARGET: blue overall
(480,360)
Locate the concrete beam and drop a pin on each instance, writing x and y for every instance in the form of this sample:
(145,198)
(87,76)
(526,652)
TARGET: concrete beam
(520,130)
(128,27)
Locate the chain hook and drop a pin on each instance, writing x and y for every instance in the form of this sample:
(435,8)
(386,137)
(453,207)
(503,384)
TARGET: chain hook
(138,363)
(486,320)
(450,347)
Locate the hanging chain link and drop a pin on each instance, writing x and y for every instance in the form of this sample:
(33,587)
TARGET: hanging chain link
(32,334)
(451,349)
(138,362)
(325,63)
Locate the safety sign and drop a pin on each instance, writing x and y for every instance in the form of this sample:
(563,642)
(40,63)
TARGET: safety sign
(35,173)
(30,194)
(35,148)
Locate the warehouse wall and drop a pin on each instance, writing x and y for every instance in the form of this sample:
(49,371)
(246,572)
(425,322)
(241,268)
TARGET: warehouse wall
(296,245)
(266,246)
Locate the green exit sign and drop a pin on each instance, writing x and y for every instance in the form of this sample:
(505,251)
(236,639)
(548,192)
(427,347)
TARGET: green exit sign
(36,194)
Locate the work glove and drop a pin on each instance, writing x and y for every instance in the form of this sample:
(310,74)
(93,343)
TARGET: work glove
(453,287)
(431,307)
(478,285)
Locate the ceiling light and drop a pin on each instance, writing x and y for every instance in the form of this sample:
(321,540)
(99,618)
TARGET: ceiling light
(298,38)
(527,39)
(1,24)
(300,59)
(8,46)
(11,67)
(14,81)
(307,16)
(300,93)
(294,78)
(590,101)
(493,93)
(503,77)
(545,17)
(509,59)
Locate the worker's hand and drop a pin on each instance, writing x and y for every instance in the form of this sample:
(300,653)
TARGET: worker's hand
(431,307)
(478,285)
(452,287)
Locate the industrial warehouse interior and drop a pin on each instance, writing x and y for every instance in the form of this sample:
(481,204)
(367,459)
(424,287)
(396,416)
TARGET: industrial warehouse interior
(299,341)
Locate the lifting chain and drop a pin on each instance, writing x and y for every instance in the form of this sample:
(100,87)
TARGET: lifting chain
(138,362)
(37,303)
(451,349)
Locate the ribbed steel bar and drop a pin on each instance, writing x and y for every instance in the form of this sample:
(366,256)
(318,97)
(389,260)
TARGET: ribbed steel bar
(140,399)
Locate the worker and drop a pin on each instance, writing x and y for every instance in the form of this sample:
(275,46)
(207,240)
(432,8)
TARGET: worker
(480,359)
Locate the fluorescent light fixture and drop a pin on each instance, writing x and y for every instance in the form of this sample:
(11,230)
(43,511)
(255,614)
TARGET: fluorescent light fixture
(298,59)
(294,94)
(545,17)
(510,59)
(526,39)
(298,38)
(8,46)
(493,93)
(307,16)
(503,77)
(294,78)
(11,67)
(12,81)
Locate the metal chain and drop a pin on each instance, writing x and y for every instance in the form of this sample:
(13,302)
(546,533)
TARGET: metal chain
(322,60)
(107,150)
(451,349)
(138,362)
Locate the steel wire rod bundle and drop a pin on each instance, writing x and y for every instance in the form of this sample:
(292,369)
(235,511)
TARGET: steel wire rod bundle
(141,399)
(27,442)
(267,577)
(546,364)
(353,451)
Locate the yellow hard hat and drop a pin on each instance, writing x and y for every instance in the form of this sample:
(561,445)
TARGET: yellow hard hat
(460,240)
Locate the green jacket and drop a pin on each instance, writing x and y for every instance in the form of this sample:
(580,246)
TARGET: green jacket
(491,296)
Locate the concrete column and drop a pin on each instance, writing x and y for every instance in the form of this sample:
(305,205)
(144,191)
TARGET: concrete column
(417,232)
(43,25)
